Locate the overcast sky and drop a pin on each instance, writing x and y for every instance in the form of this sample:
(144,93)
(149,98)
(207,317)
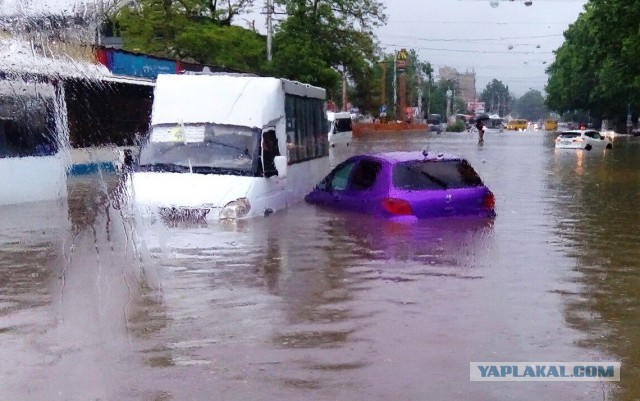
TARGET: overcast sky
(512,42)
(470,35)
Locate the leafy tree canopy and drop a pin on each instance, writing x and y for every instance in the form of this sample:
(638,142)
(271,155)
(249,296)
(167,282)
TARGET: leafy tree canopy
(318,42)
(323,39)
(497,98)
(597,68)
(531,105)
(192,30)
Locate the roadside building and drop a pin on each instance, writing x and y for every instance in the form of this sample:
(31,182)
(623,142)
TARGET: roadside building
(464,83)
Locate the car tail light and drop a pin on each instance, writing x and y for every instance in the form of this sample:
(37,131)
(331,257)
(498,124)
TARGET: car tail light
(397,206)
(489,201)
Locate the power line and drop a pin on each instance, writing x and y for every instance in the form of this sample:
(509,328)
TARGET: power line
(391,21)
(463,51)
(471,40)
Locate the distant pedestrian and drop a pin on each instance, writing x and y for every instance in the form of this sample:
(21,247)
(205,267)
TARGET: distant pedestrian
(480,128)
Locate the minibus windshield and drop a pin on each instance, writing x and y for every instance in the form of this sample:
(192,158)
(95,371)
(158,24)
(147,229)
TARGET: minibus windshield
(343,124)
(200,148)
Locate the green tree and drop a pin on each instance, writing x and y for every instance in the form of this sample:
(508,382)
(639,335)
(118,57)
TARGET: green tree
(572,76)
(497,98)
(195,30)
(597,68)
(322,40)
(229,46)
(531,105)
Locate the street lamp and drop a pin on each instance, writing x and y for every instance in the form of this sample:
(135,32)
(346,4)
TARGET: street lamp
(449,94)
(496,3)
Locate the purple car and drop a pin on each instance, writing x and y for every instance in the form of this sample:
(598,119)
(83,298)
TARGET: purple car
(409,185)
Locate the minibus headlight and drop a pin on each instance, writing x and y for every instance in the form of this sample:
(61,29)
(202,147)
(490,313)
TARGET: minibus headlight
(236,209)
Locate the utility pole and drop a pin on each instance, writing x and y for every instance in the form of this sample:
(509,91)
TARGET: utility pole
(345,100)
(269,28)
(395,80)
(383,83)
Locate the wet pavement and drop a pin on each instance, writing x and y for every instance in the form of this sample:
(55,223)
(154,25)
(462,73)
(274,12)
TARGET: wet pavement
(320,305)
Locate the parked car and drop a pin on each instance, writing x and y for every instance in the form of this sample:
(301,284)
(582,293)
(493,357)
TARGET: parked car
(340,128)
(582,139)
(408,185)
(435,123)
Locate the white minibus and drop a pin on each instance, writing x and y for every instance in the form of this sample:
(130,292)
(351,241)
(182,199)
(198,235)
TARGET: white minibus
(340,128)
(230,146)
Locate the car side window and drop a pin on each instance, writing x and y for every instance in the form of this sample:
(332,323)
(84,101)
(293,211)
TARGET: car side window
(364,175)
(341,177)
(338,179)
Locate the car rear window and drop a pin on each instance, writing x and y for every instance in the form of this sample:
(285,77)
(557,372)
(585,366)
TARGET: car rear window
(428,174)
(569,135)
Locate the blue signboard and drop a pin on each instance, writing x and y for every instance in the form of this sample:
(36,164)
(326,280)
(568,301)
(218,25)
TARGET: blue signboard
(141,66)
(383,108)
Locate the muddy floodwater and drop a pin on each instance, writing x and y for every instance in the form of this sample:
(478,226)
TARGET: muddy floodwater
(312,304)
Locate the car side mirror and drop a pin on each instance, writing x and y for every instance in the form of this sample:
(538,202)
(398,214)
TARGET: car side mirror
(281,166)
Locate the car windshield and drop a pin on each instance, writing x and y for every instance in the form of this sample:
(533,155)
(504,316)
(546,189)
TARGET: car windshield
(434,119)
(201,148)
(343,125)
(429,174)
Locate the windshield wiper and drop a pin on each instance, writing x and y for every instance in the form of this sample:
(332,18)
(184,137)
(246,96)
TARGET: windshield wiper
(219,170)
(164,167)
(243,150)
(434,179)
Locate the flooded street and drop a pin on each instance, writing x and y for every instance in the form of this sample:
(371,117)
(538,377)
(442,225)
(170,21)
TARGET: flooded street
(315,304)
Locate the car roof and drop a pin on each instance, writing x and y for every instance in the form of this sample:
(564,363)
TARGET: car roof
(399,157)
(577,131)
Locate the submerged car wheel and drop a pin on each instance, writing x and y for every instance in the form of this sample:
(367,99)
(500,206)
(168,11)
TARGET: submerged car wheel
(588,147)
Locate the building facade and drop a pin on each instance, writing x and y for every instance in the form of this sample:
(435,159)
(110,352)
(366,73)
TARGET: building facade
(464,84)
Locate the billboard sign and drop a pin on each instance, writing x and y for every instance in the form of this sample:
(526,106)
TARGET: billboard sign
(402,59)
(141,65)
(475,107)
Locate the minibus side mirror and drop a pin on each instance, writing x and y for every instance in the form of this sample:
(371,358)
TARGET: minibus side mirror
(281,166)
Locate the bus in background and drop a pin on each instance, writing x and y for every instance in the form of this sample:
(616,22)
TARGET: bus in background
(340,129)
(551,124)
(32,140)
(517,125)
(230,146)
(107,116)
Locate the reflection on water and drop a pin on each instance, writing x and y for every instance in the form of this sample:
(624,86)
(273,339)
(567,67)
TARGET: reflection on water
(311,303)
(600,230)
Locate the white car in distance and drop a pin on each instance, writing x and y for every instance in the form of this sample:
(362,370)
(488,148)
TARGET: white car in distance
(340,128)
(582,139)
